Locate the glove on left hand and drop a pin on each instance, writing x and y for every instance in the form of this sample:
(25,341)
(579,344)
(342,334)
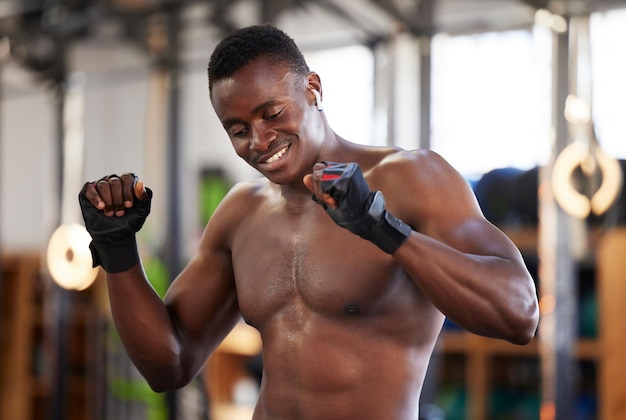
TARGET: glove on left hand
(113,242)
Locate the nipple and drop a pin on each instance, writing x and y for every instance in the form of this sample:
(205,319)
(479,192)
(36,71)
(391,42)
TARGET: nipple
(352,309)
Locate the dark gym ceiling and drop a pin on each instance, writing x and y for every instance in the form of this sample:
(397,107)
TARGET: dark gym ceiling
(38,29)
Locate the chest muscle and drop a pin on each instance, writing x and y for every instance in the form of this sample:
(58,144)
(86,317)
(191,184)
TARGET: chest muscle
(287,261)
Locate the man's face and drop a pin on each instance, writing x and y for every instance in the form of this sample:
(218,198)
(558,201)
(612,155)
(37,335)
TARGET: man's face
(270,116)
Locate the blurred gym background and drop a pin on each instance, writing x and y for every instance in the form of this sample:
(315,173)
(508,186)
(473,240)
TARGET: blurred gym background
(524,97)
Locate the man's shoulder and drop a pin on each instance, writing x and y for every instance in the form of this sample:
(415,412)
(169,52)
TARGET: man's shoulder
(235,206)
(252,186)
(421,170)
(396,159)
(249,191)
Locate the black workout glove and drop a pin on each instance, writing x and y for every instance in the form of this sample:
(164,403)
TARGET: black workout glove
(360,210)
(113,244)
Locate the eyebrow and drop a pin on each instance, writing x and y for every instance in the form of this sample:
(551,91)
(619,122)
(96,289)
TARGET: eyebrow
(264,105)
(229,122)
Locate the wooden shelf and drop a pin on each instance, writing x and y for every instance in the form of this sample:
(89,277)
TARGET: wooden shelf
(526,239)
(463,342)
(227,364)
(607,351)
(29,343)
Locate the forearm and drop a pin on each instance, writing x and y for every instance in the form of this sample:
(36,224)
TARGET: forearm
(146,328)
(487,295)
(166,346)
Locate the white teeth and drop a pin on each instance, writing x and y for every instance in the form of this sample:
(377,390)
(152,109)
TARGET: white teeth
(277,156)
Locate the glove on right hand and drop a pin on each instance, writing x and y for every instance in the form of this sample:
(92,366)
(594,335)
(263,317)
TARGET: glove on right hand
(113,244)
(361,211)
(345,183)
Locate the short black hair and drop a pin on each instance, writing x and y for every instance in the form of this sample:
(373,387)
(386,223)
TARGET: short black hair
(244,45)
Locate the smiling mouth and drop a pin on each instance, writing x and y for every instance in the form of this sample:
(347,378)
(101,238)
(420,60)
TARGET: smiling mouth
(276,156)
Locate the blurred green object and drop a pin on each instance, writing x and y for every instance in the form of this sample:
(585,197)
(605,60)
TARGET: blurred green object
(452,400)
(588,314)
(157,274)
(213,188)
(128,389)
(512,404)
(139,391)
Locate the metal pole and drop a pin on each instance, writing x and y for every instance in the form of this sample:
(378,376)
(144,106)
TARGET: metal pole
(62,299)
(382,86)
(425,86)
(557,268)
(426,18)
(173,240)
(173,144)
(4,50)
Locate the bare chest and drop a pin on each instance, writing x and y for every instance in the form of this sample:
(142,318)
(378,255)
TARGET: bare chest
(285,261)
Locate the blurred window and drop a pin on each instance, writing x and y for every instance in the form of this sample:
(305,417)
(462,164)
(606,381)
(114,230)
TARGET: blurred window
(491,95)
(348,93)
(491,100)
(608,32)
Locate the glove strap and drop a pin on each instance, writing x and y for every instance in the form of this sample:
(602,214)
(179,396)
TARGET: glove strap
(115,257)
(389,232)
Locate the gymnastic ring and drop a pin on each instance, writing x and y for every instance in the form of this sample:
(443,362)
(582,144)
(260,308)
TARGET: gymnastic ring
(577,204)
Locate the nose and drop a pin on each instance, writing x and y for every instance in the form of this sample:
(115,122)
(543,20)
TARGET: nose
(262,137)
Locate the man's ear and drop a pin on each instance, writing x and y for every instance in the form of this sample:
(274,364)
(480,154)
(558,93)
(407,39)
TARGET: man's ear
(314,85)
(314,82)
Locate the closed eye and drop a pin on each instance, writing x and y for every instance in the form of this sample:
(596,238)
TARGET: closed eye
(235,128)
(238,131)
(273,110)
(274,116)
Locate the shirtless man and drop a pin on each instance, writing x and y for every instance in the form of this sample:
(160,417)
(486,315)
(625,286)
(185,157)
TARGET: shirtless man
(349,290)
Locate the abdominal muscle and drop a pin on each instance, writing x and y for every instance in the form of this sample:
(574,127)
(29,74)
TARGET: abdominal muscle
(339,370)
